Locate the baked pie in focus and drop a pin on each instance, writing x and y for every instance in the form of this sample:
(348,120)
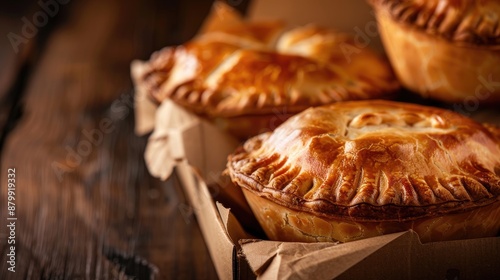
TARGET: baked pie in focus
(248,77)
(444,49)
(359,169)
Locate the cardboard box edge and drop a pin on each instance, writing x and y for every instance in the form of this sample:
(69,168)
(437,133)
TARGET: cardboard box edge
(220,245)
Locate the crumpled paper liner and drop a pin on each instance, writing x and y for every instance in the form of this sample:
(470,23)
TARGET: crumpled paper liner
(144,107)
(284,260)
(392,256)
(179,135)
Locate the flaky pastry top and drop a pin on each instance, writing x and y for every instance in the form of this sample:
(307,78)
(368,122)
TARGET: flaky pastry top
(235,67)
(373,161)
(465,21)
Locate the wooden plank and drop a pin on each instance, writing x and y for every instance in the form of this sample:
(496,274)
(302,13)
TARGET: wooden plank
(16,53)
(25,25)
(86,207)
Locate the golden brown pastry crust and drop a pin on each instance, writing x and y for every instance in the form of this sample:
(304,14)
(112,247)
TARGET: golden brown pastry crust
(474,22)
(373,161)
(246,68)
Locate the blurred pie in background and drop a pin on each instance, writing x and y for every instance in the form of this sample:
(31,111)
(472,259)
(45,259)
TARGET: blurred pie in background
(447,50)
(248,77)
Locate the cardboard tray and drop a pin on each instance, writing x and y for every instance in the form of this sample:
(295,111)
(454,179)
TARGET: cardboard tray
(196,151)
(393,256)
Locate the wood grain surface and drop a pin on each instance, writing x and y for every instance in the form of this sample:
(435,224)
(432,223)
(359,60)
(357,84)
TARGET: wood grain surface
(85,204)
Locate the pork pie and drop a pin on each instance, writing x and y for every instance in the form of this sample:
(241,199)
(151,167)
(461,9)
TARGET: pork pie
(359,169)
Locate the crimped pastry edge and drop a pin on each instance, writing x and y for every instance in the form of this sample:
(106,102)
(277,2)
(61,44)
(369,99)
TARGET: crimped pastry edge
(409,15)
(364,211)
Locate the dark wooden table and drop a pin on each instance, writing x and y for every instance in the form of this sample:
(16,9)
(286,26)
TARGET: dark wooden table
(85,205)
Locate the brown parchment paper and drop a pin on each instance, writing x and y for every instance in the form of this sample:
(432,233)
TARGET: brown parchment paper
(145,109)
(179,136)
(285,260)
(393,256)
